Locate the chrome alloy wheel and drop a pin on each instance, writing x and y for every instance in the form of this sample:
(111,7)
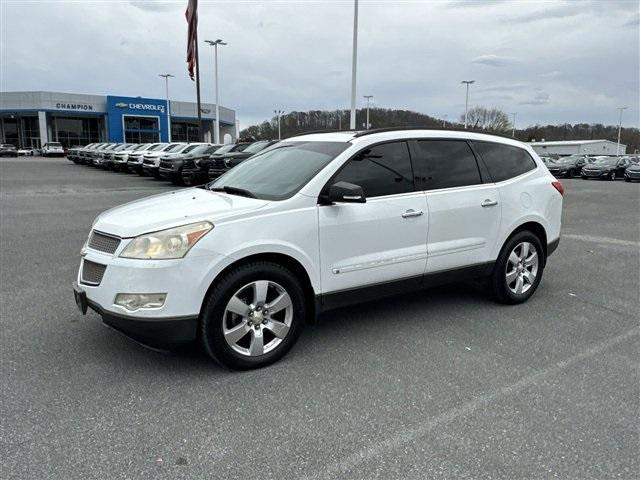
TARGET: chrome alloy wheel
(257,318)
(522,268)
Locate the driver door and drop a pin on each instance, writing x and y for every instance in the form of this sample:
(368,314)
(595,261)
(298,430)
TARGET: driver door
(382,240)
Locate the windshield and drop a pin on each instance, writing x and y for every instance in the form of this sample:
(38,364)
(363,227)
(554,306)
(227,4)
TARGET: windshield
(155,147)
(606,161)
(172,147)
(281,171)
(53,144)
(256,147)
(225,149)
(567,160)
(191,148)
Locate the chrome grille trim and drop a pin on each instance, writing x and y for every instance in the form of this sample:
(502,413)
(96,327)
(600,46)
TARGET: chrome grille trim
(103,243)
(92,272)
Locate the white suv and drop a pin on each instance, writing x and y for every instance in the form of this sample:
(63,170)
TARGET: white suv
(315,222)
(52,149)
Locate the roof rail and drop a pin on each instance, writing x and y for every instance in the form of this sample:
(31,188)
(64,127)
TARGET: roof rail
(444,129)
(321,131)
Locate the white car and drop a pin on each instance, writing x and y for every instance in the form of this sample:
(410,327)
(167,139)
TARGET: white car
(52,149)
(316,222)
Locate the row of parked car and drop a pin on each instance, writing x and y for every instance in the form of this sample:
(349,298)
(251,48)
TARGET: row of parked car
(179,162)
(49,149)
(589,167)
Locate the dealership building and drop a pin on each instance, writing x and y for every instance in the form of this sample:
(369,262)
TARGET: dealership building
(30,119)
(578,147)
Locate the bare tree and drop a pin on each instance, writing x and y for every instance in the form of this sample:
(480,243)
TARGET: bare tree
(491,119)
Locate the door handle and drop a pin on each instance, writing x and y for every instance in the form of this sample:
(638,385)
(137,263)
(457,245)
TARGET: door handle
(412,213)
(489,203)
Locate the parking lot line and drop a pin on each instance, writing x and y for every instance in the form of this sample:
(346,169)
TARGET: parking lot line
(605,240)
(402,438)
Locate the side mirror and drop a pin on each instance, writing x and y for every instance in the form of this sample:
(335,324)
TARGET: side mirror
(345,192)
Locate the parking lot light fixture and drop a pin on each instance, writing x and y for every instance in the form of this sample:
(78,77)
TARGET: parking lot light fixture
(215,44)
(166,77)
(622,109)
(368,97)
(513,124)
(354,63)
(466,103)
(279,113)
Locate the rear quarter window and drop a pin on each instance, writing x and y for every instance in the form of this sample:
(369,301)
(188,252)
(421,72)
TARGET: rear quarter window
(504,161)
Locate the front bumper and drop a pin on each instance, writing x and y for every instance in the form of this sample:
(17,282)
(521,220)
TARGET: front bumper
(164,334)
(598,174)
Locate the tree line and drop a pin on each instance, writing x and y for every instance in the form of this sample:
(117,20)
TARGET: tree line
(480,119)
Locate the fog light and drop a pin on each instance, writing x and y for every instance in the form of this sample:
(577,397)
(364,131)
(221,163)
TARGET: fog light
(136,301)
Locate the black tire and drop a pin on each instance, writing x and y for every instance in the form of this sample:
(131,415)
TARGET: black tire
(627,179)
(570,173)
(212,315)
(612,176)
(498,282)
(187,180)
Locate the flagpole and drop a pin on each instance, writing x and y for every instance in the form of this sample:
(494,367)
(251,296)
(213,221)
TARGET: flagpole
(200,130)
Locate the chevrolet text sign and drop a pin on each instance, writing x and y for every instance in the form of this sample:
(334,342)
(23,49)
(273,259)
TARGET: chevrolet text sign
(141,106)
(119,108)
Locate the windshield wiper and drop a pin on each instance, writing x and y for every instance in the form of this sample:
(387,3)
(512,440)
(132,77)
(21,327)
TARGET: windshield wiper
(233,191)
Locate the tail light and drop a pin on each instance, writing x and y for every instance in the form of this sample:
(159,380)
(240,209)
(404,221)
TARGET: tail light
(558,186)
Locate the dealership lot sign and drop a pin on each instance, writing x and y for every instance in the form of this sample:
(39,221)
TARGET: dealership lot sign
(74,106)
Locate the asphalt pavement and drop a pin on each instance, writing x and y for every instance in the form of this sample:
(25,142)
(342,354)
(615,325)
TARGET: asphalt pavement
(444,384)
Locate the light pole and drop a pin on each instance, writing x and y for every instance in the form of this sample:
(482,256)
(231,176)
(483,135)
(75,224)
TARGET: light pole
(619,129)
(368,97)
(217,131)
(166,77)
(513,124)
(444,121)
(466,103)
(278,114)
(354,62)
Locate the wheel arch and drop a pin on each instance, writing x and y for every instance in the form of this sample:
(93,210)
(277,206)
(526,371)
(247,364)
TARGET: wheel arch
(534,227)
(286,261)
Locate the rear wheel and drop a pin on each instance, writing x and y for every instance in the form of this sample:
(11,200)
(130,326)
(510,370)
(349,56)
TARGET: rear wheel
(518,270)
(570,173)
(612,176)
(253,316)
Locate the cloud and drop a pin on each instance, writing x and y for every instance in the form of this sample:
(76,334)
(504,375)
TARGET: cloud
(158,5)
(300,59)
(552,74)
(494,60)
(634,21)
(541,98)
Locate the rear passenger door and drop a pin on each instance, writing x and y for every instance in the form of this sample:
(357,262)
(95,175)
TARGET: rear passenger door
(464,212)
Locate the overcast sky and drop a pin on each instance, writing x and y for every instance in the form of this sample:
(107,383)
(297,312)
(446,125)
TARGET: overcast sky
(549,61)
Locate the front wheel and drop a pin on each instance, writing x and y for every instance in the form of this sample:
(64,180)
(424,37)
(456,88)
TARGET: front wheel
(627,179)
(612,176)
(518,269)
(253,316)
(570,173)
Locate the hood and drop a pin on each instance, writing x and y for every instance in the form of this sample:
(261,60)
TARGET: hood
(591,166)
(173,209)
(634,168)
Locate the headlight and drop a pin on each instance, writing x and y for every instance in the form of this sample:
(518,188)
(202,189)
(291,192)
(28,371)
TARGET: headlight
(166,244)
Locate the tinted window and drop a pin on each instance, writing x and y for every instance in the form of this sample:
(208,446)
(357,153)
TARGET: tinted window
(278,173)
(380,170)
(446,163)
(504,161)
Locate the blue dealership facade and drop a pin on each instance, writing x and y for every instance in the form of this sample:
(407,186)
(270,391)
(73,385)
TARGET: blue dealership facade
(30,119)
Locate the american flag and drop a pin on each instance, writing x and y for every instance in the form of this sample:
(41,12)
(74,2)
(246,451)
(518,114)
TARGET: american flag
(192,35)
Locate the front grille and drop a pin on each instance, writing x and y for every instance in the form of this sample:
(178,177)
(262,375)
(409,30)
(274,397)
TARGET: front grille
(148,161)
(166,164)
(92,272)
(188,164)
(634,174)
(103,243)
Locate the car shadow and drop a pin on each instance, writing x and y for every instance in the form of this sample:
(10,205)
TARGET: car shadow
(336,327)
